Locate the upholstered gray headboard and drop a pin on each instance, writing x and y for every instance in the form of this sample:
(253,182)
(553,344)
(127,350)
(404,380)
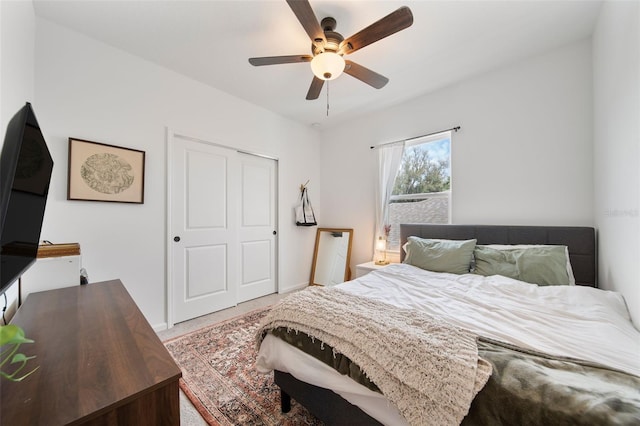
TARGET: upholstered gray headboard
(581,241)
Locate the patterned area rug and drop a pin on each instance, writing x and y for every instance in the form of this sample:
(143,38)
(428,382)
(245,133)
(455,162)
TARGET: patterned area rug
(219,377)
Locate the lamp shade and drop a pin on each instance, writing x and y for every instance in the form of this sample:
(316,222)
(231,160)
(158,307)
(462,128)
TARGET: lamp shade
(327,65)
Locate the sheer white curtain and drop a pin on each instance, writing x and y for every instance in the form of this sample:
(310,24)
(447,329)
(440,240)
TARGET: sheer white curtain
(389,158)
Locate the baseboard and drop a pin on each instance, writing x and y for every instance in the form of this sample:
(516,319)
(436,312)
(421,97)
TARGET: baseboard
(294,288)
(159,327)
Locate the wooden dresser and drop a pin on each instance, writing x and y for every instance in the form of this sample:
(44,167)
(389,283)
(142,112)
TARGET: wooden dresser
(100,362)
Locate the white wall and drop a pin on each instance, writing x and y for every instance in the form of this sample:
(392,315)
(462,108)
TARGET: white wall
(523,155)
(616,69)
(17,44)
(91,91)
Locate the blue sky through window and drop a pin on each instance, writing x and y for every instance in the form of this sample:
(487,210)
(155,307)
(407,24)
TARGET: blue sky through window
(438,150)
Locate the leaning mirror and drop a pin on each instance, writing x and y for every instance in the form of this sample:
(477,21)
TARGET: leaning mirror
(331,256)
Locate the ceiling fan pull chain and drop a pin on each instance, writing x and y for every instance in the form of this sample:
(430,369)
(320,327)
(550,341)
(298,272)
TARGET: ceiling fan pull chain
(327,98)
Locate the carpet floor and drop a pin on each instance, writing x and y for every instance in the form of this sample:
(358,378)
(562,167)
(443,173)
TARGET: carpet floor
(219,377)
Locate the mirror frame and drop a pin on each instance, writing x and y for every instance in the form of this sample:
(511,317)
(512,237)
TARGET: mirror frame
(347,267)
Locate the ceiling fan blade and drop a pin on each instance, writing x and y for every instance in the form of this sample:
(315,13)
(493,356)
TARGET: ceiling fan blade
(365,75)
(390,24)
(315,89)
(303,11)
(275,60)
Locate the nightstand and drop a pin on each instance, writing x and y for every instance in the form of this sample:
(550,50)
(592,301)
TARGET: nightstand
(364,268)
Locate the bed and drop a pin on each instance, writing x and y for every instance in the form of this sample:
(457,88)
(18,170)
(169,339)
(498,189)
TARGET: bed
(584,372)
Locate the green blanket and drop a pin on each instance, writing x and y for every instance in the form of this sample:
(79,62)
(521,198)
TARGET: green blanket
(525,387)
(531,388)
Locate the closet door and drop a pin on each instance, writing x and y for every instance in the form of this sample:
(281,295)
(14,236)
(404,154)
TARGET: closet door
(257,227)
(204,221)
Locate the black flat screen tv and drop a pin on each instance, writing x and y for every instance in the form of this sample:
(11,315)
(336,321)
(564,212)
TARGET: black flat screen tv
(25,174)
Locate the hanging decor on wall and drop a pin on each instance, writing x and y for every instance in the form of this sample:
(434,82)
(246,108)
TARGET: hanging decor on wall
(304,211)
(101,172)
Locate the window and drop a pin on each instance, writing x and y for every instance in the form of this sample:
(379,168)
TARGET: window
(422,186)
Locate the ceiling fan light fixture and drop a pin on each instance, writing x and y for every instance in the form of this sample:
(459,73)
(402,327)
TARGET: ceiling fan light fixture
(327,65)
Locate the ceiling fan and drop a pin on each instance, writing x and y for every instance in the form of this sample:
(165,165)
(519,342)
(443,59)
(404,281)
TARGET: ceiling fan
(328,47)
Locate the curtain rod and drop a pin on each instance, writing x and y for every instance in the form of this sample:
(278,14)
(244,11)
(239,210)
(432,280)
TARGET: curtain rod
(455,129)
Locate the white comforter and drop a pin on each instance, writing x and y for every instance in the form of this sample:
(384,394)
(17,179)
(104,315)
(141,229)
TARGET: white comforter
(575,321)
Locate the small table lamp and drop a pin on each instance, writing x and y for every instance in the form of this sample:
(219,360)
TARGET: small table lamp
(381,251)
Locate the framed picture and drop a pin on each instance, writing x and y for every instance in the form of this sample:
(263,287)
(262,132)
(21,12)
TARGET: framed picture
(101,172)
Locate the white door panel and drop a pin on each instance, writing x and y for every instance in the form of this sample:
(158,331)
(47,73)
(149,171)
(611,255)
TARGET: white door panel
(257,193)
(204,187)
(205,267)
(257,227)
(256,261)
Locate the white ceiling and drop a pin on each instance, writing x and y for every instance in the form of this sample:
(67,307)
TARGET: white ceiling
(211,41)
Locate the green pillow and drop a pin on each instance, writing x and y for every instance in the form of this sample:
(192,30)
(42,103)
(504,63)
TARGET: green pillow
(451,256)
(542,265)
(490,261)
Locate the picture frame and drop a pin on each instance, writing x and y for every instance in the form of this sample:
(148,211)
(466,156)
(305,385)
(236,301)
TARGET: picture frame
(103,172)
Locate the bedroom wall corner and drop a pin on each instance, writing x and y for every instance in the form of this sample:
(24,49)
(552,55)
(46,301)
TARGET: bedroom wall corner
(616,81)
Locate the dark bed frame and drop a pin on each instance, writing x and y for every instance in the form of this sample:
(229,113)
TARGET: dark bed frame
(332,409)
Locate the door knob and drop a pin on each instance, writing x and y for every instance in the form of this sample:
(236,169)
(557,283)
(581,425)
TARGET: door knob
(176,238)
(275,232)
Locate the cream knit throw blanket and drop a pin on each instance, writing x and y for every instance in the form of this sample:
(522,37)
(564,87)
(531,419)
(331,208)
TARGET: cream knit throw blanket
(429,369)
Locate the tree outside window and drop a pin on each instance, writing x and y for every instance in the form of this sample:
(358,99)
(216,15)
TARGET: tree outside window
(422,187)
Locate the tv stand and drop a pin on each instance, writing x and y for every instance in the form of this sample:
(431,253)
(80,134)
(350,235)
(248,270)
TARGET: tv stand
(100,362)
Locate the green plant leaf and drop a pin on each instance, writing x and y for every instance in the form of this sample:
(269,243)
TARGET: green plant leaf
(12,334)
(21,358)
(11,337)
